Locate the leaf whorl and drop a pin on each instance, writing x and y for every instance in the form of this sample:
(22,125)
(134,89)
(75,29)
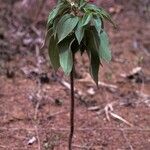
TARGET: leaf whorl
(72,32)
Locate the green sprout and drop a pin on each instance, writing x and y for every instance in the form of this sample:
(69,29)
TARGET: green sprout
(74,26)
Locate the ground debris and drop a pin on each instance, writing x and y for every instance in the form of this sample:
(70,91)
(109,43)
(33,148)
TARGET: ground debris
(136,75)
(94,108)
(32,141)
(144,98)
(109,111)
(91,91)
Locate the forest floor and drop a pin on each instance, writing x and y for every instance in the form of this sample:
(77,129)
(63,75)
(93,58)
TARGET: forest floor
(35,102)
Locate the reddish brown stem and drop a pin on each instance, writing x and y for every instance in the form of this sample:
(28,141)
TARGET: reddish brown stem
(71,108)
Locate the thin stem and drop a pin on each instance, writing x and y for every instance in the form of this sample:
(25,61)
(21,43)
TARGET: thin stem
(71,107)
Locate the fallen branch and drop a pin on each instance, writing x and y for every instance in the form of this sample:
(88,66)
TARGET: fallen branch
(87,79)
(107,85)
(109,111)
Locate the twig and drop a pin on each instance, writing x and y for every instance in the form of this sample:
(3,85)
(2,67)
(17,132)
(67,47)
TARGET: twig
(57,113)
(38,138)
(15,129)
(38,96)
(65,84)
(81,147)
(107,85)
(127,140)
(2,146)
(87,79)
(35,30)
(109,111)
(79,94)
(145,98)
(40,10)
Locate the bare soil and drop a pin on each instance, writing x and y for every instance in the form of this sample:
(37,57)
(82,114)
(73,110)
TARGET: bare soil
(35,104)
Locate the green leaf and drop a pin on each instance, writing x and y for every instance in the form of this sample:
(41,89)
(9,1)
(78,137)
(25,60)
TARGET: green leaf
(55,23)
(92,43)
(106,16)
(91,7)
(58,10)
(97,23)
(99,43)
(102,13)
(92,39)
(66,25)
(86,19)
(94,68)
(65,55)
(79,32)
(82,4)
(74,46)
(104,51)
(54,53)
(54,13)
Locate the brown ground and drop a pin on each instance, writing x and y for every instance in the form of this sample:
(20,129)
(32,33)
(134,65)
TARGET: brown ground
(34,103)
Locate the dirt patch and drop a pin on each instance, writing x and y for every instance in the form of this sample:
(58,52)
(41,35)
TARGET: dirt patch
(35,104)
